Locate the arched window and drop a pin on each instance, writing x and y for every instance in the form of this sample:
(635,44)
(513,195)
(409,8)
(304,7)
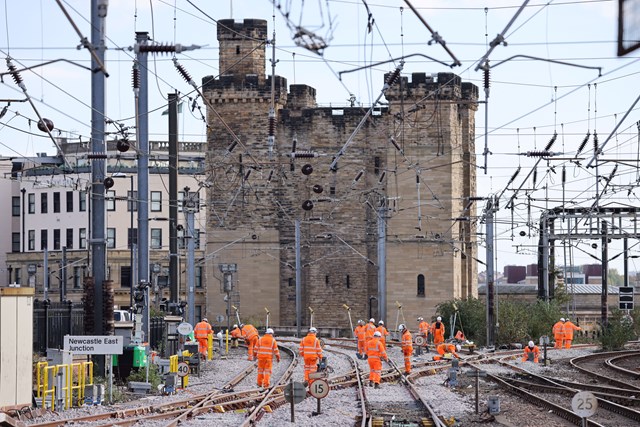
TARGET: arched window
(421,285)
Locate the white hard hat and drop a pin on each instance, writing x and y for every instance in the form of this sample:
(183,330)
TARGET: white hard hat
(377,334)
(458,347)
(313,330)
(439,319)
(360,322)
(531,344)
(562,319)
(381,323)
(401,327)
(205,320)
(235,326)
(269,331)
(372,320)
(420,319)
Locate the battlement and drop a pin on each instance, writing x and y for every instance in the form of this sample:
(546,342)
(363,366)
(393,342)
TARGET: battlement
(441,85)
(242,47)
(301,96)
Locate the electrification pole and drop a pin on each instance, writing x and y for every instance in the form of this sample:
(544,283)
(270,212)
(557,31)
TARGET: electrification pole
(189,210)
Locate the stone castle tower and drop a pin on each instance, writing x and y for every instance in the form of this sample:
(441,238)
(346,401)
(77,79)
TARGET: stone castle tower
(407,174)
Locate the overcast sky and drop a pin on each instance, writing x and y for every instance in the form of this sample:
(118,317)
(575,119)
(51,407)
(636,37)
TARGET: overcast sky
(529,100)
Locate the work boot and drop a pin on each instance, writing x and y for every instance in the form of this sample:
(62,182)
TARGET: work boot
(377,385)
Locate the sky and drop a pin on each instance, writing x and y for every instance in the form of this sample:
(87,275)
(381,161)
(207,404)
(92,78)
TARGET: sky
(586,89)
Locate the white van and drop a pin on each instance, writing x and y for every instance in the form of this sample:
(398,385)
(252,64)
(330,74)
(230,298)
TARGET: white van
(121,316)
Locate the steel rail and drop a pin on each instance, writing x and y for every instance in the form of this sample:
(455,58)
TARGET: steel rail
(575,363)
(612,364)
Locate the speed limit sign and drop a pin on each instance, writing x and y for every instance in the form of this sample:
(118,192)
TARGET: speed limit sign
(319,389)
(419,340)
(183,369)
(584,404)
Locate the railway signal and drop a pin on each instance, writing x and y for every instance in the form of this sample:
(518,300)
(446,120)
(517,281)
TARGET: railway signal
(625,297)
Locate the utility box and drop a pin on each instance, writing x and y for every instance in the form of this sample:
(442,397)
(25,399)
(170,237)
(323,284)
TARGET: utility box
(494,405)
(16,347)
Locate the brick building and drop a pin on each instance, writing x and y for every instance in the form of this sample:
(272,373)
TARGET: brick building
(394,204)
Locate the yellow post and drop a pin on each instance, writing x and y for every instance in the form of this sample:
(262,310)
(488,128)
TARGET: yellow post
(173,363)
(209,346)
(226,334)
(40,379)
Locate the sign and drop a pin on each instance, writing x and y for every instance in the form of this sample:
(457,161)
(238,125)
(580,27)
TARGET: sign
(476,373)
(625,297)
(584,404)
(319,389)
(420,340)
(317,375)
(219,318)
(183,369)
(184,328)
(299,392)
(93,344)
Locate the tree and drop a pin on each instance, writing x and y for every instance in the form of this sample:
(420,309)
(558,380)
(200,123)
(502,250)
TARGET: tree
(614,278)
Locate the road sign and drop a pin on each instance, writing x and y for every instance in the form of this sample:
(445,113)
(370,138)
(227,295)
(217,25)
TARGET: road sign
(184,328)
(319,389)
(584,404)
(625,297)
(183,369)
(93,344)
(219,318)
(299,392)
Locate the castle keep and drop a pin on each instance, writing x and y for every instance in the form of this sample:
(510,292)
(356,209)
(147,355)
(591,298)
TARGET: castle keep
(402,182)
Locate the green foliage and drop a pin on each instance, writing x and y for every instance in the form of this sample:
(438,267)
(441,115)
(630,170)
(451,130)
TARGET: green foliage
(471,317)
(512,321)
(541,318)
(141,375)
(617,332)
(614,278)
(635,315)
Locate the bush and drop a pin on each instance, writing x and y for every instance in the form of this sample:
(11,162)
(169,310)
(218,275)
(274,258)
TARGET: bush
(617,331)
(141,375)
(471,317)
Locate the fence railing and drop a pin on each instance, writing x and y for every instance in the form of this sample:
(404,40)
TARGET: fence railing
(52,321)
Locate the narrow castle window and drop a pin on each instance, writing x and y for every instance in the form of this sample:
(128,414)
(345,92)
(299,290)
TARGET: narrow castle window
(237,50)
(421,285)
(348,282)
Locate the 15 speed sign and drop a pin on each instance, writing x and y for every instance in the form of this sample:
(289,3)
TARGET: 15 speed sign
(319,389)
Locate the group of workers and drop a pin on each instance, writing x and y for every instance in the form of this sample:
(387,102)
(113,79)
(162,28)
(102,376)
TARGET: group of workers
(563,333)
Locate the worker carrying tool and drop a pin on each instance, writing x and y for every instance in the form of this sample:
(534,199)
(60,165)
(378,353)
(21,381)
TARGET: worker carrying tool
(437,330)
(201,333)
(383,334)
(375,352)
(406,344)
(423,329)
(311,352)
(360,334)
(236,334)
(266,349)
(447,351)
(369,329)
(250,335)
(558,333)
(531,353)
(569,327)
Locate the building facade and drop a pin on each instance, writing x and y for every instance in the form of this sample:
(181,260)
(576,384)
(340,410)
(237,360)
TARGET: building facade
(335,206)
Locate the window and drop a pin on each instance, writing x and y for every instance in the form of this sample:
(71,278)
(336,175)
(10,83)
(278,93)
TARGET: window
(32,203)
(125,276)
(376,165)
(332,190)
(18,275)
(44,199)
(82,244)
(156,238)
(69,241)
(421,285)
(198,312)
(69,201)
(32,240)
(56,202)
(43,239)
(348,281)
(111,238)
(198,276)
(82,201)
(110,200)
(132,237)
(156,201)
(15,206)
(180,200)
(56,239)
(15,242)
(132,201)
(78,274)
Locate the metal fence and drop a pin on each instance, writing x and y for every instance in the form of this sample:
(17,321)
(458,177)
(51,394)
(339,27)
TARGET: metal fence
(52,321)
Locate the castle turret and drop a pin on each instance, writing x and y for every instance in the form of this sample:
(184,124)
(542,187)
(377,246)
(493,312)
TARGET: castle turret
(242,48)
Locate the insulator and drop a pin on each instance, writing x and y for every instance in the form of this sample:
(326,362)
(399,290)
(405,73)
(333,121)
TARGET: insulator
(535,176)
(270,175)
(272,125)
(487,77)
(45,124)
(318,189)
(307,205)
(307,169)
(418,179)
(358,176)
(293,146)
(584,142)
(551,141)
(292,167)
(595,142)
(303,155)
(539,153)
(246,175)
(395,144)
(515,174)
(393,77)
(14,73)
(232,146)
(183,72)
(155,48)
(564,174)
(135,77)
(382,176)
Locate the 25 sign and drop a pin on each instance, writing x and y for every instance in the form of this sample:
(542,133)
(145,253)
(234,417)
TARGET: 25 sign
(584,404)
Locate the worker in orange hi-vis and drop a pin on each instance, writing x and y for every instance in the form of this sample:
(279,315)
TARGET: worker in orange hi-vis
(406,343)
(201,333)
(460,336)
(369,329)
(360,333)
(423,329)
(266,349)
(445,349)
(311,352)
(383,334)
(236,334)
(569,327)
(437,330)
(531,353)
(250,335)
(375,352)
(558,333)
